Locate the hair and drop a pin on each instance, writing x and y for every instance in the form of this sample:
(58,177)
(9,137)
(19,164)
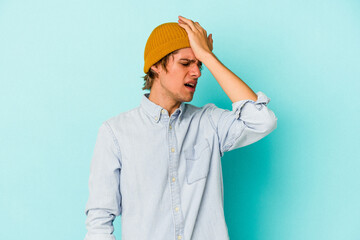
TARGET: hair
(151,75)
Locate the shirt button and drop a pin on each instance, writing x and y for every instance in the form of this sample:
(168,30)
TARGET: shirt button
(177,209)
(172,149)
(179,237)
(156,118)
(173,179)
(170,127)
(162,111)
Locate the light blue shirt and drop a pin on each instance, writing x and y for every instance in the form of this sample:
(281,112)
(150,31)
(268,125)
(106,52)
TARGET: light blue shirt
(163,174)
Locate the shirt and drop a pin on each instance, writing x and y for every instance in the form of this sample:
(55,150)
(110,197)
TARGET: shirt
(163,173)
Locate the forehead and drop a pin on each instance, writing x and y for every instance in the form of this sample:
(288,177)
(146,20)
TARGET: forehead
(185,53)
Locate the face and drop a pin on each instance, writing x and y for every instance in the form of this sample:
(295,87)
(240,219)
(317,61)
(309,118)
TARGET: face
(179,82)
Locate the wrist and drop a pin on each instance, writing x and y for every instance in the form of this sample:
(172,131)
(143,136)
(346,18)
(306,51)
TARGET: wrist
(208,56)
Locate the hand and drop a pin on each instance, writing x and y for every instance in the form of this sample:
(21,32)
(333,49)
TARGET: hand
(200,43)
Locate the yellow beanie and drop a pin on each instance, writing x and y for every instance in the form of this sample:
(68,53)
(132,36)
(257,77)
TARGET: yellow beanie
(163,40)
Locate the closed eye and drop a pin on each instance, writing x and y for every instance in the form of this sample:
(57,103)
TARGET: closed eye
(187,64)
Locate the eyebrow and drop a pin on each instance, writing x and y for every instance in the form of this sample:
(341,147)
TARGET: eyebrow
(189,60)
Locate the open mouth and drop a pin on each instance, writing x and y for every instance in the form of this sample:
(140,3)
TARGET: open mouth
(190,85)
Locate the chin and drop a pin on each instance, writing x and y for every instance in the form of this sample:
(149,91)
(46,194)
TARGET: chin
(188,99)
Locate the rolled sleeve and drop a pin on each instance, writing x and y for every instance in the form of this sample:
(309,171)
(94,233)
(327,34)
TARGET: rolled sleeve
(104,202)
(248,122)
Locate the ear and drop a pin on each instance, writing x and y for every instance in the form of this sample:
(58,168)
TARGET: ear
(155,68)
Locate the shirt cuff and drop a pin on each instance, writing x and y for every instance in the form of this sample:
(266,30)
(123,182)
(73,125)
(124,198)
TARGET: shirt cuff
(99,237)
(262,100)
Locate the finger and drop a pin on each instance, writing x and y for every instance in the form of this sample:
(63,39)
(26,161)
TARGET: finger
(197,27)
(188,22)
(182,22)
(200,28)
(186,27)
(210,42)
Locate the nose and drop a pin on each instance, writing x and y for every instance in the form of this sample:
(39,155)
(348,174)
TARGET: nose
(195,71)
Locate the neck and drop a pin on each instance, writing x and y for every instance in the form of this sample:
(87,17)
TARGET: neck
(164,101)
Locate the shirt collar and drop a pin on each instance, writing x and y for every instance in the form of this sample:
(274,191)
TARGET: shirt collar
(154,110)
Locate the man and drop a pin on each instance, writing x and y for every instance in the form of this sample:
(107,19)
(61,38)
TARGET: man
(159,165)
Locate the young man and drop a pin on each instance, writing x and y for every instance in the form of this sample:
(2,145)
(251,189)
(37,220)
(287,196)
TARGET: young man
(159,165)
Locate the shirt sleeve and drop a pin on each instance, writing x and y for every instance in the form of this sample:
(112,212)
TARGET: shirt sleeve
(104,202)
(248,122)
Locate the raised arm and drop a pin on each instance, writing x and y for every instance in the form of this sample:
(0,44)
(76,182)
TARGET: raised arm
(202,46)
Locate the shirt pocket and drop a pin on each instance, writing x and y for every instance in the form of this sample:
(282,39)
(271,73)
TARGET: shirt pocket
(197,161)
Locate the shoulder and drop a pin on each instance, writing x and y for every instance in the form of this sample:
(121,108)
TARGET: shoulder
(123,116)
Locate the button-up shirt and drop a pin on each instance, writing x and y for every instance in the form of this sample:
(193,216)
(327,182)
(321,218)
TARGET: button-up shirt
(163,174)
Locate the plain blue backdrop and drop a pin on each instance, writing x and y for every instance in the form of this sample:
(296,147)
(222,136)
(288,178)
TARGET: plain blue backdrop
(66,66)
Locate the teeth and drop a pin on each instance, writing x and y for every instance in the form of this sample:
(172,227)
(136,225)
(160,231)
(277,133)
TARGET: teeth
(191,84)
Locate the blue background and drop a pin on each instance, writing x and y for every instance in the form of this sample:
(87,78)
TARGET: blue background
(66,66)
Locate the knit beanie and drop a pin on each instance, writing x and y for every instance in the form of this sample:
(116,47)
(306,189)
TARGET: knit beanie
(163,40)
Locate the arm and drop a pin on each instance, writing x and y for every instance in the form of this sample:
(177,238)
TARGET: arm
(232,85)
(250,119)
(248,122)
(202,46)
(104,202)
